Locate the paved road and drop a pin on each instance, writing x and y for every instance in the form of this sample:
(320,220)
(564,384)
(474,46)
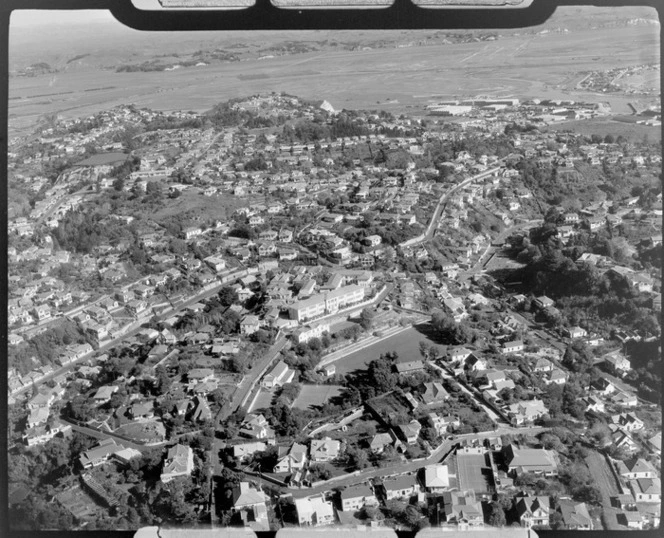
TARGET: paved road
(431,227)
(114,342)
(249,381)
(407,467)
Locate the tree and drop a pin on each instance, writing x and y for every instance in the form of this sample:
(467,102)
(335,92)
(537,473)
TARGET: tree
(588,494)
(366,318)
(497,517)
(227,296)
(163,381)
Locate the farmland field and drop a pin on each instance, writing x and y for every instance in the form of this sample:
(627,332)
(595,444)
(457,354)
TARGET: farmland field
(605,126)
(314,395)
(405,344)
(542,66)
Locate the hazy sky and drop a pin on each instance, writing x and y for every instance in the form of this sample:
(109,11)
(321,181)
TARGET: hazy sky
(30,17)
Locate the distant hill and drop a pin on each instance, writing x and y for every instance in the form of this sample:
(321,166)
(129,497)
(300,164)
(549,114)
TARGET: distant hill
(73,44)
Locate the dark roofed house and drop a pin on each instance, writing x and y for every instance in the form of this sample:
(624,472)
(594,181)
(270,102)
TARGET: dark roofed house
(575,515)
(462,509)
(434,393)
(202,410)
(410,432)
(646,490)
(401,486)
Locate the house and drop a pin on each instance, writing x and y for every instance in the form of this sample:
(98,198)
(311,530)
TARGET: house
(624,399)
(627,421)
(556,376)
(179,462)
(373,240)
(314,511)
(250,503)
(617,364)
(409,366)
(279,375)
(243,451)
(434,393)
(513,347)
(533,511)
(99,454)
(43,433)
(250,324)
(400,487)
(104,394)
(621,439)
(325,449)
(443,424)
(142,410)
(38,416)
(543,365)
(256,427)
(295,460)
(355,497)
(304,334)
(526,411)
(380,441)
(410,432)
(458,354)
(575,332)
(529,460)
(462,509)
(632,519)
(543,302)
(436,478)
(635,468)
(202,411)
(200,375)
(473,363)
(593,403)
(646,490)
(575,515)
(655,443)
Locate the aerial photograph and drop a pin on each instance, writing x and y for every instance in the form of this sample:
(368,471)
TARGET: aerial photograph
(404,279)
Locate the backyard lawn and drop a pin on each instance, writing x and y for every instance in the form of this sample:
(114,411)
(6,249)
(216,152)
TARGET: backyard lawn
(314,395)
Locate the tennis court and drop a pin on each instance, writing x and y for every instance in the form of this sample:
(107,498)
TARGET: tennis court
(474,473)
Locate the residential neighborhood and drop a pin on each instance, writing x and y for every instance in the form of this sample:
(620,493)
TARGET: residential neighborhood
(278,314)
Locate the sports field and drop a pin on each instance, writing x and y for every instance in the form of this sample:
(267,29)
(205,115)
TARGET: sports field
(406,344)
(104,158)
(473,473)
